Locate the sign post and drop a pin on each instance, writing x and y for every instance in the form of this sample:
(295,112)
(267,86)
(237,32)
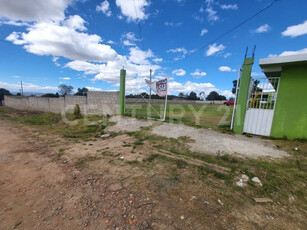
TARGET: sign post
(122,92)
(161,89)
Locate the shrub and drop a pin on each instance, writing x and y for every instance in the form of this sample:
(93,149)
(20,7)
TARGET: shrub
(77,111)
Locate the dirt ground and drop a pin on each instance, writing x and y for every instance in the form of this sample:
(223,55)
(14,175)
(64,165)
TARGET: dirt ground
(51,182)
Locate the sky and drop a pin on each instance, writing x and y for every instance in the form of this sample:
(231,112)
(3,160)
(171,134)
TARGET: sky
(85,43)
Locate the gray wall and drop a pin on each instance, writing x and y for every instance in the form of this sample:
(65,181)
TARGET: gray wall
(98,103)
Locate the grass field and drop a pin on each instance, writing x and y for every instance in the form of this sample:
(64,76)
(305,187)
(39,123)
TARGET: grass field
(217,117)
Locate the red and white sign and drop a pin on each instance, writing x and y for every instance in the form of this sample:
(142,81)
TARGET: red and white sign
(160,87)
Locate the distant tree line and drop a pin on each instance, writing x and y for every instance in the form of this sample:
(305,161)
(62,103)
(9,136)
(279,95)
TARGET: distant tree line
(67,90)
(212,96)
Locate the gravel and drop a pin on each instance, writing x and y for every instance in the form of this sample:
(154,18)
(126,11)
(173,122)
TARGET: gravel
(213,142)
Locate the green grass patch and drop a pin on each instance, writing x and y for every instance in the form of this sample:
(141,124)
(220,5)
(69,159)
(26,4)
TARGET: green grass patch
(217,117)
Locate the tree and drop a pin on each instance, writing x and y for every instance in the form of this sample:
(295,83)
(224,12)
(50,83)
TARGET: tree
(256,88)
(50,95)
(65,89)
(81,92)
(181,94)
(192,96)
(234,87)
(3,92)
(214,96)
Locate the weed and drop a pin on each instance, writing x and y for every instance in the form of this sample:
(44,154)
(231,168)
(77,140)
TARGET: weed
(138,142)
(81,162)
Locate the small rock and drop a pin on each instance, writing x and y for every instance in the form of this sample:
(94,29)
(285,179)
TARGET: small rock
(242,182)
(105,135)
(220,202)
(257,181)
(245,178)
(182,217)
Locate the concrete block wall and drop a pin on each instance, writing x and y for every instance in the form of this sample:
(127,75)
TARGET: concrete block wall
(98,103)
(56,105)
(71,101)
(102,103)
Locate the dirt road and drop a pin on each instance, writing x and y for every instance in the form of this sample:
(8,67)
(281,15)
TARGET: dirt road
(40,192)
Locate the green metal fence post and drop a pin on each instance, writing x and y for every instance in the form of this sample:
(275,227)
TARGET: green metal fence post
(243,95)
(122,92)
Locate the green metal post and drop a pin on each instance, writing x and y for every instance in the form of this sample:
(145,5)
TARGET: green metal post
(243,95)
(122,92)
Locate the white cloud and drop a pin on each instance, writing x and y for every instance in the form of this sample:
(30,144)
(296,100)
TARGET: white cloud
(109,72)
(34,10)
(198,74)
(225,69)
(172,24)
(55,60)
(262,29)
(75,22)
(27,87)
(65,78)
(214,48)
(15,38)
(179,72)
(187,87)
(104,7)
(59,39)
(133,10)
(226,55)
(296,30)
(286,53)
(90,88)
(13,23)
(111,42)
(130,36)
(138,56)
(203,31)
(181,51)
(129,39)
(229,7)
(157,59)
(226,93)
(212,14)
(128,43)
(177,50)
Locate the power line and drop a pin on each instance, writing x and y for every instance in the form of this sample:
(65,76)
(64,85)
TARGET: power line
(233,28)
(139,26)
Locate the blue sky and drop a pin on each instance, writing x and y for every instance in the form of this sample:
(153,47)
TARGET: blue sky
(85,43)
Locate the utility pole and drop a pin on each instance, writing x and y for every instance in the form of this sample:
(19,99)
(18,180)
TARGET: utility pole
(150,88)
(21,88)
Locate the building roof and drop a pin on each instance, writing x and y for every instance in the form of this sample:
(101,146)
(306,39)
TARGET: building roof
(283,60)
